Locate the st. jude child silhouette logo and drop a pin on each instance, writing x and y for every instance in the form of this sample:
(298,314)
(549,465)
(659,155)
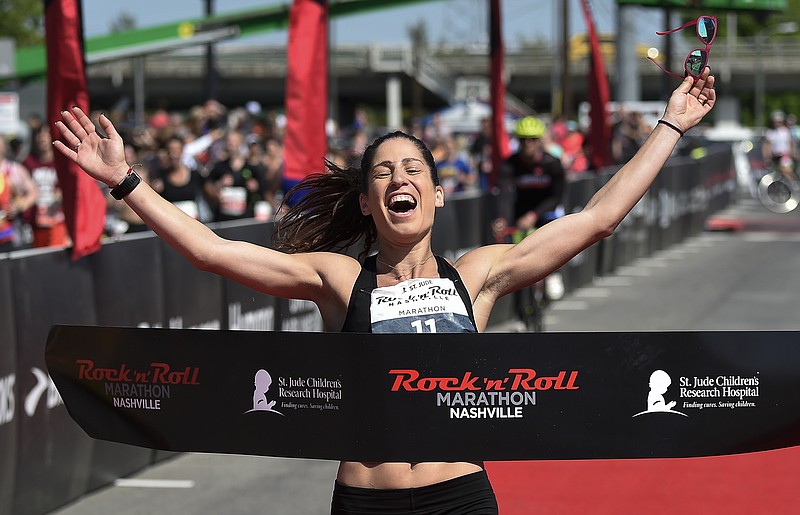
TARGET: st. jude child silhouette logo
(262,381)
(656,402)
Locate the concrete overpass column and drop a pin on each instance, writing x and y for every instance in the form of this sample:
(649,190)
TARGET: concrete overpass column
(394,103)
(727,109)
(628,81)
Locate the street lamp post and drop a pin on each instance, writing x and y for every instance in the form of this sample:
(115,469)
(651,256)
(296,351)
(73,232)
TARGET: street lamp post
(788,27)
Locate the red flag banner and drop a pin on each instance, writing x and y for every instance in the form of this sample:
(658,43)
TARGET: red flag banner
(83,202)
(599,96)
(306,89)
(500,148)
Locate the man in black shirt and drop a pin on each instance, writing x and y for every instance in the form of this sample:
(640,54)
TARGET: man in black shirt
(535,177)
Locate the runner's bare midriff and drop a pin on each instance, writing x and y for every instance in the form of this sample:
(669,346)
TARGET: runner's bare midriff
(401,475)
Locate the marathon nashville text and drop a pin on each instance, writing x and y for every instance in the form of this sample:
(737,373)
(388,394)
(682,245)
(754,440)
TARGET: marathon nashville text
(137,389)
(471,396)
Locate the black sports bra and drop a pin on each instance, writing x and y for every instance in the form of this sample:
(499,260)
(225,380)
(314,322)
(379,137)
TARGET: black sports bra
(412,316)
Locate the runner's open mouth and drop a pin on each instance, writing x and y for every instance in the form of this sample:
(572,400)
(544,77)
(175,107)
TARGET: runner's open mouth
(402,203)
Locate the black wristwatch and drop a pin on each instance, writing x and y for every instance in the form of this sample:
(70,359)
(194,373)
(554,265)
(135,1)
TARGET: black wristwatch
(127,185)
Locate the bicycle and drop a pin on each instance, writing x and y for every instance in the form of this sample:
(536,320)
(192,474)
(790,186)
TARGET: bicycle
(532,301)
(779,189)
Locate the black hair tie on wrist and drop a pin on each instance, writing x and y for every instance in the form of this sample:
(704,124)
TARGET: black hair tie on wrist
(671,126)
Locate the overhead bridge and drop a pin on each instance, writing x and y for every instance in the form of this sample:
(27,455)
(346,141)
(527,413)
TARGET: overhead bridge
(173,64)
(31,62)
(359,73)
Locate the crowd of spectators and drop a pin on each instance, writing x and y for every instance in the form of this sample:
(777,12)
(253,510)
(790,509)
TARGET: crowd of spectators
(30,200)
(218,163)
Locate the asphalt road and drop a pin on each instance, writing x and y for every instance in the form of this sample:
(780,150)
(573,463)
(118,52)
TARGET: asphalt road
(744,279)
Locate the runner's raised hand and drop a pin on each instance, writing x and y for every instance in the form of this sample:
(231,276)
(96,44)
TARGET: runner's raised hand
(691,101)
(103,158)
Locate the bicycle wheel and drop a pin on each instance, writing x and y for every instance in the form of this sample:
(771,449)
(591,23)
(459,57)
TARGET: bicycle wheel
(532,303)
(534,320)
(777,193)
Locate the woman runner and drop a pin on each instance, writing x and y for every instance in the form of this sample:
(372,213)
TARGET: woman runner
(390,202)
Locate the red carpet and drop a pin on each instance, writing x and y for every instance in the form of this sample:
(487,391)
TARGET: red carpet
(767,482)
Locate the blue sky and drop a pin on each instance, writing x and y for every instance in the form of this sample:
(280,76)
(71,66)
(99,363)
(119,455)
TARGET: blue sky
(456,21)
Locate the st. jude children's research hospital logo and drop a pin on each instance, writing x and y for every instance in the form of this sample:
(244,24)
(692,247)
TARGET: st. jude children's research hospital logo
(294,393)
(262,382)
(697,393)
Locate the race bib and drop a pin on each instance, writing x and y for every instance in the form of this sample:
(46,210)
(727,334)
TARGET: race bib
(419,306)
(233,201)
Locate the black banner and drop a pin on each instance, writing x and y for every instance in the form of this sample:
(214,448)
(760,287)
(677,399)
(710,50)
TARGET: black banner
(128,282)
(8,391)
(51,450)
(432,397)
(135,265)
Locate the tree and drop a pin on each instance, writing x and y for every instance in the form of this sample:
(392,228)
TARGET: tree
(123,23)
(748,22)
(752,23)
(22,21)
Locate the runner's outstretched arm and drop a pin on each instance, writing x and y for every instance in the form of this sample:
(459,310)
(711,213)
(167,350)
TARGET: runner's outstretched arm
(308,276)
(687,106)
(502,269)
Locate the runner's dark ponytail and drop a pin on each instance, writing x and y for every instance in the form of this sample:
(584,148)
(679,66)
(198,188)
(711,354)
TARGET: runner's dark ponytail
(327,215)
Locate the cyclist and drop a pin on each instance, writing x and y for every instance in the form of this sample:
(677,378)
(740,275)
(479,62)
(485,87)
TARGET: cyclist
(778,142)
(779,151)
(536,180)
(535,177)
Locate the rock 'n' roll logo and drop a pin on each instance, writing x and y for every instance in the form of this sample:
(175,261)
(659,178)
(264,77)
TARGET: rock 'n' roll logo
(133,387)
(472,396)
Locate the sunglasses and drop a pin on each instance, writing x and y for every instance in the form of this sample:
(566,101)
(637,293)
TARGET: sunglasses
(697,60)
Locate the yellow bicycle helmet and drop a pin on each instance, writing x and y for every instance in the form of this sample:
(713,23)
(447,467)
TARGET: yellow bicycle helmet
(530,127)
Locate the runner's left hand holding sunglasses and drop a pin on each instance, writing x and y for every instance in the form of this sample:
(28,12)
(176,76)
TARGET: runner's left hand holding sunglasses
(690,102)
(697,59)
